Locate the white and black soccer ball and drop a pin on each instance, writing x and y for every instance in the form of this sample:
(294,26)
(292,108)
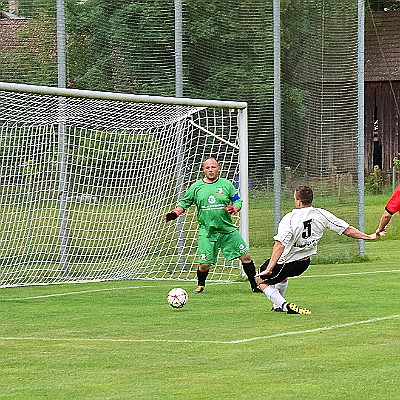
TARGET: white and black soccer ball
(177,298)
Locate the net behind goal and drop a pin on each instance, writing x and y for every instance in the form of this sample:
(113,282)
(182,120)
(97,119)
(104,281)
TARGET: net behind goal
(86,178)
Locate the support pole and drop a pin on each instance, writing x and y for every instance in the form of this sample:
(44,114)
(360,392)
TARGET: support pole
(360,141)
(178,49)
(62,138)
(243,173)
(277,113)
(180,229)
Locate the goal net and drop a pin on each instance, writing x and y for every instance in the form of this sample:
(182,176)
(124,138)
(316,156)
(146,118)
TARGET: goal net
(86,178)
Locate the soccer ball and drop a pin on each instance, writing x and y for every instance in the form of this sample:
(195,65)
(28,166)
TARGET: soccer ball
(177,298)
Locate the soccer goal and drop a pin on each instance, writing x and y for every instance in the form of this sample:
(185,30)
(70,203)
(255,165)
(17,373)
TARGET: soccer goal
(86,178)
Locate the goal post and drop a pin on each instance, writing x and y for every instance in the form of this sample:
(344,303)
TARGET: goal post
(87,176)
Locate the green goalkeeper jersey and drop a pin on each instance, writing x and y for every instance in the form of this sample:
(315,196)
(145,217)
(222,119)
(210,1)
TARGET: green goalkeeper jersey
(211,200)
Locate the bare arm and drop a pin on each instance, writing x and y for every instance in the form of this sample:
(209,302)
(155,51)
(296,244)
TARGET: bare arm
(356,234)
(276,254)
(385,218)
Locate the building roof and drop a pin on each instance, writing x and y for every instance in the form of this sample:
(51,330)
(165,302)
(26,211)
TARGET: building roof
(382,46)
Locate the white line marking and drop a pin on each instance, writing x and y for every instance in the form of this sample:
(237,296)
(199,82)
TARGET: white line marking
(77,292)
(325,328)
(348,274)
(239,341)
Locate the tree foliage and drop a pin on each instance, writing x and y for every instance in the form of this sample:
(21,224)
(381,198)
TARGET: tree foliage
(128,46)
(117,46)
(30,57)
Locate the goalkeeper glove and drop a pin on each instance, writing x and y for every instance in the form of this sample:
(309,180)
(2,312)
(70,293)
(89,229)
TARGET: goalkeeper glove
(232,209)
(171,215)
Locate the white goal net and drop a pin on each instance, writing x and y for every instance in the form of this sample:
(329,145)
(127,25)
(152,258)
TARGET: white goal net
(86,178)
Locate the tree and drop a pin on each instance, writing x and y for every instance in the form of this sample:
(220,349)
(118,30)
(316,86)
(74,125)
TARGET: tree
(30,56)
(121,46)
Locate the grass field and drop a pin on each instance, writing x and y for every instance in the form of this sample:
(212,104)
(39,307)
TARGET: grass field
(121,340)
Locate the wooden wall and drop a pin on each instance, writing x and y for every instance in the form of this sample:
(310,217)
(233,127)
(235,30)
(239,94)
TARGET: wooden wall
(382,142)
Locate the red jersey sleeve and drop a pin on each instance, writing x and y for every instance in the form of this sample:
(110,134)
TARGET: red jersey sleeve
(393,205)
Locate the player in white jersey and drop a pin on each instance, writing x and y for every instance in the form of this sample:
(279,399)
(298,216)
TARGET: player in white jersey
(296,241)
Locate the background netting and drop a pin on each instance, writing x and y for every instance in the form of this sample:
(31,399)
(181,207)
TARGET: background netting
(83,193)
(319,118)
(227,54)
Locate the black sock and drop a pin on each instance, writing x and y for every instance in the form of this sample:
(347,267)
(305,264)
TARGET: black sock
(250,271)
(201,277)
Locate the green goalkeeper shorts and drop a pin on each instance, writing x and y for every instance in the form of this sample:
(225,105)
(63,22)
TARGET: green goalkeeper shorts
(231,244)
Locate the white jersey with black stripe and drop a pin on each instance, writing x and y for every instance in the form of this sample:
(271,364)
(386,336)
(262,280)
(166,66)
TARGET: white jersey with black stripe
(301,230)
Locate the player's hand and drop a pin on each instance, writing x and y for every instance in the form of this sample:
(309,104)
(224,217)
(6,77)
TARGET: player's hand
(170,216)
(378,234)
(262,273)
(259,280)
(233,210)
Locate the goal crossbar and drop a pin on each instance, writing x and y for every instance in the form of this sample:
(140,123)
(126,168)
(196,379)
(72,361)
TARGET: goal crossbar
(89,94)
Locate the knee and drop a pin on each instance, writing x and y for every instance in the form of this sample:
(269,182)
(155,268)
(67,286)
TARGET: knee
(262,286)
(259,281)
(246,258)
(204,267)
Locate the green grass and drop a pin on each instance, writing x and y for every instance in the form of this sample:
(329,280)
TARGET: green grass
(121,340)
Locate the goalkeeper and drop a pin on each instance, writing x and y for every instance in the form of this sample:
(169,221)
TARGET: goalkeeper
(216,200)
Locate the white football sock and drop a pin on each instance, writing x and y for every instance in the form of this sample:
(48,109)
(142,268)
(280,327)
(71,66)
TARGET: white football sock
(273,294)
(281,286)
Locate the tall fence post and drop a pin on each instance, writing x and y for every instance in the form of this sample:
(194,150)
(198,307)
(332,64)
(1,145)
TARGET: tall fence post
(62,137)
(360,141)
(277,113)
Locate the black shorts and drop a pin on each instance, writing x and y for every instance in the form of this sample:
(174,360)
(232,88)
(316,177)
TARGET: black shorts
(282,271)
